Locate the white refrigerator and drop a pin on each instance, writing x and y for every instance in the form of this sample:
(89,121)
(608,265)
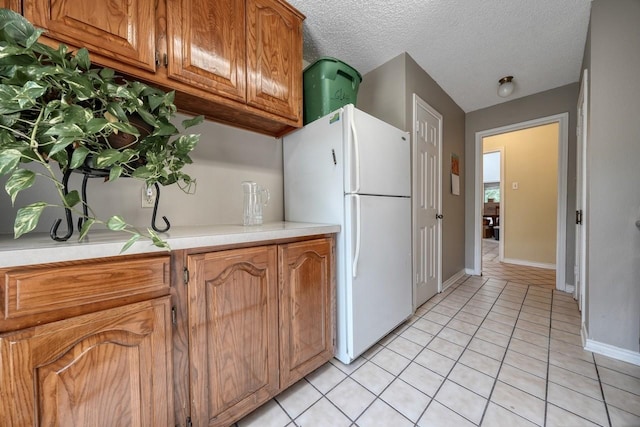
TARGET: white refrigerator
(352,169)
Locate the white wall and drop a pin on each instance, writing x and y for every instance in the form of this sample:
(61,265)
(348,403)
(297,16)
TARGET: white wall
(223,158)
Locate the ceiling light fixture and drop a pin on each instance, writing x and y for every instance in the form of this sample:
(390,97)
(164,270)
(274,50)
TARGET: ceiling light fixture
(505,87)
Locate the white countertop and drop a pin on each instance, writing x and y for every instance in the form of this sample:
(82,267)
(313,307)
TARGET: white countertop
(37,248)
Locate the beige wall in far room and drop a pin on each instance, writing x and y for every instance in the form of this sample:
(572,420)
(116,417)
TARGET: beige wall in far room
(528,220)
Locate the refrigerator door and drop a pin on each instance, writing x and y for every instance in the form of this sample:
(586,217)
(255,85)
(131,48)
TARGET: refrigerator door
(378,269)
(314,172)
(377,155)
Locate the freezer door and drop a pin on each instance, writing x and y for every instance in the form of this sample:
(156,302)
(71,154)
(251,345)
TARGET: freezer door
(378,156)
(378,268)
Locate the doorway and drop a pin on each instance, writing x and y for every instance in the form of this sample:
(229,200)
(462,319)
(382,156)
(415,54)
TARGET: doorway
(560,217)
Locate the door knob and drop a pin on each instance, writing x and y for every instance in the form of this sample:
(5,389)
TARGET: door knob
(439,216)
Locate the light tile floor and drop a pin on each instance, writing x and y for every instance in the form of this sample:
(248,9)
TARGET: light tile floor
(488,351)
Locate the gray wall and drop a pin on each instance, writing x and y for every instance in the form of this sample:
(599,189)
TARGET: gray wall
(613,241)
(387,93)
(223,158)
(556,101)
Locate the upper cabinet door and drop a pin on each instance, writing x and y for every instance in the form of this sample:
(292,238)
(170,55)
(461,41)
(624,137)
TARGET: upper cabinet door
(10,4)
(206,45)
(122,30)
(274,58)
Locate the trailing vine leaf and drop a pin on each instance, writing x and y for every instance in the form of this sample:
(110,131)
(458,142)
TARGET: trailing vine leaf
(21,179)
(27,218)
(115,173)
(157,241)
(116,223)
(9,160)
(86,226)
(72,199)
(78,157)
(130,242)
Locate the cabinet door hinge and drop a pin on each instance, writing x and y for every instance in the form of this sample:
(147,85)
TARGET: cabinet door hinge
(185,276)
(174,315)
(189,422)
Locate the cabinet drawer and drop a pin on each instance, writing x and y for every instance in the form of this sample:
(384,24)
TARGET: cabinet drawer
(42,293)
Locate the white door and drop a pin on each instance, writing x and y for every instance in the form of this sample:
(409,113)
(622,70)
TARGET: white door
(378,289)
(427,201)
(580,265)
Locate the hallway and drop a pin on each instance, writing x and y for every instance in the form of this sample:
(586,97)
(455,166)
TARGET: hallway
(487,351)
(491,267)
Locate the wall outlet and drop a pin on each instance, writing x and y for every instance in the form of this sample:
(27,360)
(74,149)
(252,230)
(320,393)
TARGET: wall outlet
(148,196)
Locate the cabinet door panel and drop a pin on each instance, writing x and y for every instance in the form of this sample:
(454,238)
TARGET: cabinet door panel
(233,343)
(274,58)
(102,369)
(119,29)
(10,4)
(306,308)
(207,45)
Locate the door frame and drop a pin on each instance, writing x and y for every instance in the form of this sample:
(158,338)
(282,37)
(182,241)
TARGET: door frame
(414,197)
(561,229)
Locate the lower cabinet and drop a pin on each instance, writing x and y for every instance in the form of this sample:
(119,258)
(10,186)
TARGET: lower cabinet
(112,367)
(260,319)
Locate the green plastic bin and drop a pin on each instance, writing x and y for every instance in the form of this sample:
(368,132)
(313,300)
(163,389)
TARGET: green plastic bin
(328,85)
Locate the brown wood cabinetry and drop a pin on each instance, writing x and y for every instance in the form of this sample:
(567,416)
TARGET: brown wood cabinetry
(107,361)
(233,311)
(255,312)
(306,308)
(235,61)
(11,4)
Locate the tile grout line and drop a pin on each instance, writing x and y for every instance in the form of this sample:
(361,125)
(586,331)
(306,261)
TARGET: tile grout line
(604,400)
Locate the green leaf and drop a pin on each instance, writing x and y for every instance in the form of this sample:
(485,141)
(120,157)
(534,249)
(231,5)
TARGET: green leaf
(116,109)
(27,218)
(157,241)
(192,122)
(16,29)
(107,157)
(71,199)
(130,242)
(107,73)
(86,226)
(116,223)
(166,129)
(144,172)
(65,129)
(115,173)
(20,180)
(82,56)
(60,145)
(9,160)
(96,125)
(126,128)
(78,157)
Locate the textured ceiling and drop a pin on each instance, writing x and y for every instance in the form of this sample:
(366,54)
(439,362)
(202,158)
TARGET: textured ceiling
(464,45)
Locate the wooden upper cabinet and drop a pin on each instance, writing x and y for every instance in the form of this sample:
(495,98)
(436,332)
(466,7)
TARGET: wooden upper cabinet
(306,308)
(206,45)
(120,30)
(274,58)
(11,4)
(233,344)
(107,368)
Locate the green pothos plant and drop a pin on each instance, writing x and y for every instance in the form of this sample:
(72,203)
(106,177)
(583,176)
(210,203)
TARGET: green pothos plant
(59,112)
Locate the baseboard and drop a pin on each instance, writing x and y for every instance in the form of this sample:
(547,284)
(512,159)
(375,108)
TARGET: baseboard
(613,351)
(529,263)
(584,334)
(453,279)
(470,272)
(569,288)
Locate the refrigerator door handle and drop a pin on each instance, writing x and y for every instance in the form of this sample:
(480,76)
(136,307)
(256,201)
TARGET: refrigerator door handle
(356,254)
(356,154)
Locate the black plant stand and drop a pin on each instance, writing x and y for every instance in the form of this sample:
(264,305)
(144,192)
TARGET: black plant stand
(87,174)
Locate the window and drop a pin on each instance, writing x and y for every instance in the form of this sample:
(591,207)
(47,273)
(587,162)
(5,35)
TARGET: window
(492,191)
